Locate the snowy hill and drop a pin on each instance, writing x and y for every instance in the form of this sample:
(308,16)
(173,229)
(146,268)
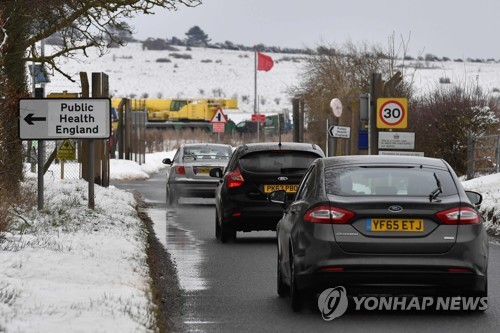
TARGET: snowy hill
(205,72)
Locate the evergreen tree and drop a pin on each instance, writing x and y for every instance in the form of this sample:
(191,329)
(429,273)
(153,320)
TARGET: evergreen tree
(197,37)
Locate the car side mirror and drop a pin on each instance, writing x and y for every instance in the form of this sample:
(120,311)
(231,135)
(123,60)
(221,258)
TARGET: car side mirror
(277,197)
(216,172)
(167,161)
(474,197)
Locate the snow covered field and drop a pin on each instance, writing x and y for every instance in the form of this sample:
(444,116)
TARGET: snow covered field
(224,73)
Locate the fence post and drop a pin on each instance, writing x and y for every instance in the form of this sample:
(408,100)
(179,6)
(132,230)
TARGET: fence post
(497,165)
(471,153)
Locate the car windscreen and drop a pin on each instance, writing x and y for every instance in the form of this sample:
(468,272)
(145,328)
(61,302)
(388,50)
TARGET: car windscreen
(404,181)
(206,152)
(278,161)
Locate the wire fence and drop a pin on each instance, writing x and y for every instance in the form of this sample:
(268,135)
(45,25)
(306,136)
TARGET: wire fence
(483,155)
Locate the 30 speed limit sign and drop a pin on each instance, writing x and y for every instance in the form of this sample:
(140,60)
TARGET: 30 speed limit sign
(392,113)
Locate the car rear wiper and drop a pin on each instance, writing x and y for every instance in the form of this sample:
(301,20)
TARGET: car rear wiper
(434,194)
(287,170)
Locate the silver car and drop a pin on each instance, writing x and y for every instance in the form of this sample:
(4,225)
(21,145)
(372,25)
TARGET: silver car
(188,172)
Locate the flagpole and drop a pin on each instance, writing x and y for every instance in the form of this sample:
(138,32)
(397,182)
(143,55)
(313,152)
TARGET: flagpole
(255,98)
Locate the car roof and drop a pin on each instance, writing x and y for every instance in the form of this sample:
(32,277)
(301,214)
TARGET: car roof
(204,144)
(384,159)
(300,146)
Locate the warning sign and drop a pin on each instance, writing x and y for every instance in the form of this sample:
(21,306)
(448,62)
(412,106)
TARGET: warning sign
(66,151)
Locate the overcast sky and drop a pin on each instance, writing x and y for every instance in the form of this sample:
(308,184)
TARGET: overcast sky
(451,28)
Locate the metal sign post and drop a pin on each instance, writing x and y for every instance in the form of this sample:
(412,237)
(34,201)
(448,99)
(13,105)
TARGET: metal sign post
(56,119)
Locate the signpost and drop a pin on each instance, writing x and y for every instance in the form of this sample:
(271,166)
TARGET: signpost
(396,140)
(218,121)
(339,132)
(56,119)
(261,118)
(392,113)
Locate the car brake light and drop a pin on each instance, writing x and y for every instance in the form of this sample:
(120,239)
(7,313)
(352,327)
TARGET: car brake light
(458,270)
(464,215)
(332,269)
(234,179)
(180,170)
(327,214)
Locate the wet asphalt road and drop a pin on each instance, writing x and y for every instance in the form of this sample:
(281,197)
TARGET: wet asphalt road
(232,287)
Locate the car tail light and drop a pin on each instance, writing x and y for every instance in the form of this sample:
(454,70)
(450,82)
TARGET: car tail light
(234,179)
(331,269)
(327,214)
(459,215)
(459,270)
(180,170)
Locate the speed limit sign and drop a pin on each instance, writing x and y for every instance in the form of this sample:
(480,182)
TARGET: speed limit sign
(392,113)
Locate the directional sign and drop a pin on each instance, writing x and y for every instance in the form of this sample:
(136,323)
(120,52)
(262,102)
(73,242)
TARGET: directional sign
(75,118)
(392,113)
(340,132)
(219,117)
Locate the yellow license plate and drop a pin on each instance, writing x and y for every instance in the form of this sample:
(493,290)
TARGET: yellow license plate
(402,225)
(202,170)
(289,188)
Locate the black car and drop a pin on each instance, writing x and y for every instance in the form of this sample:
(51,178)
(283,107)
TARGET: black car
(382,225)
(254,171)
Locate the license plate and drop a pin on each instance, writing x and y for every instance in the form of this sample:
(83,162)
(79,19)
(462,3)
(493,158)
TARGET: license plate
(289,188)
(401,225)
(201,171)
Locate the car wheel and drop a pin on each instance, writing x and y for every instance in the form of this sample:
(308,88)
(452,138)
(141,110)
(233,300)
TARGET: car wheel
(295,294)
(226,234)
(283,289)
(217,226)
(172,199)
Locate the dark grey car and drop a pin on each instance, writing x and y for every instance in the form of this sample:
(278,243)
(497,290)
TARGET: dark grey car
(381,224)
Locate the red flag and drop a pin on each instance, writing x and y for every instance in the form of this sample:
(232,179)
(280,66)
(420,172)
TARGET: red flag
(264,62)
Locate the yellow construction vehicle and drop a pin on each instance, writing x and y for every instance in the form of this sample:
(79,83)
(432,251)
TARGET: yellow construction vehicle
(180,113)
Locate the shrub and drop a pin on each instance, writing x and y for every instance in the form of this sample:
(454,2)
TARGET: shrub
(163,60)
(180,56)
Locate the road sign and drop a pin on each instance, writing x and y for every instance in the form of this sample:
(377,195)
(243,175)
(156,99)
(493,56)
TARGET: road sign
(392,113)
(219,117)
(66,151)
(261,118)
(396,140)
(401,153)
(339,132)
(218,127)
(75,118)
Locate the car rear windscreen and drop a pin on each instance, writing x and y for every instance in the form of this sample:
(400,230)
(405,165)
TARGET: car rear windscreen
(413,181)
(277,161)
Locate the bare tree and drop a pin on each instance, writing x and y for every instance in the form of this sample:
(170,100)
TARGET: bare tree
(344,72)
(445,118)
(81,25)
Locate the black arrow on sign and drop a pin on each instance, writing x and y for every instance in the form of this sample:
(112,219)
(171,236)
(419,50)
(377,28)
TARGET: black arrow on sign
(30,119)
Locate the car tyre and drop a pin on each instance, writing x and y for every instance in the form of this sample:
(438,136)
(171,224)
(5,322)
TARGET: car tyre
(172,199)
(217,227)
(226,234)
(282,289)
(296,298)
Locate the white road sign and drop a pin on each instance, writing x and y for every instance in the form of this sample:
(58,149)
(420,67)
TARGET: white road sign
(75,118)
(340,132)
(396,140)
(219,117)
